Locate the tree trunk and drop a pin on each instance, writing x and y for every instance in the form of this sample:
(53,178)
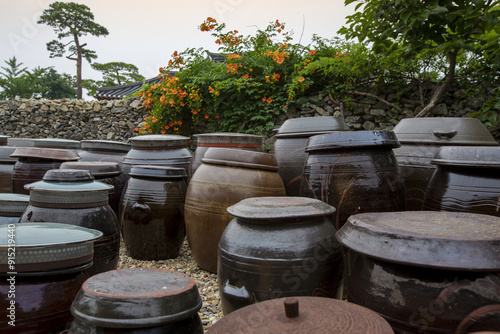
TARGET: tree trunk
(78,68)
(452,56)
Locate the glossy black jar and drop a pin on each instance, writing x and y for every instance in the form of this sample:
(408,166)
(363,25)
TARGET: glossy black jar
(73,197)
(278,247)
(467,179)
(420,140)
(138,300)
(426,271)
(354,172)
(152,212)
(291,142)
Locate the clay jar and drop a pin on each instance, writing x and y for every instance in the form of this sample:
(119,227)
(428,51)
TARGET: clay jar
(50,267)
(105,172)
(12,206)
(4,140)
(74,197)
(240,141)
(158,150)
(6,168)
(103,151)
(138,300)
(278,247)
(426,271)
(355,172)
(467,179)
(34,162)
(420,140)
(291,141)
(152,212)
(225,177)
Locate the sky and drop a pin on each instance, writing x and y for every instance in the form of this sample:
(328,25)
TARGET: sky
(146,32)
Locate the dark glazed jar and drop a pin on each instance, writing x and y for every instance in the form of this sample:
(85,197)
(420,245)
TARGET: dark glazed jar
(73,197)
(420,140)
(225,177)
(158,150)
(12,207)
(467,179)
(50,267)
(105,172)
(34,162)
(6,168)
(302,315)
(426,271)
(354,172)
(4,140)
(291,142)
(65,144)
(152,212)
(278,247)
(103,151)
(139,300)
(240,141)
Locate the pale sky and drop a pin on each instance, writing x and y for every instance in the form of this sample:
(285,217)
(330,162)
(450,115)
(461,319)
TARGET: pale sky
(146,32)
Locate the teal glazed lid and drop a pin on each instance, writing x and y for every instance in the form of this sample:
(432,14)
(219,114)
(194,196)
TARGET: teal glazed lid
(68,188)
(159,142)
(13,205)
(352,139)
(57,143)
(45,246)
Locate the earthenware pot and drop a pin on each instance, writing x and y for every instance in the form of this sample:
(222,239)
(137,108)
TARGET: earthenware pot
(6,168)
(103,151)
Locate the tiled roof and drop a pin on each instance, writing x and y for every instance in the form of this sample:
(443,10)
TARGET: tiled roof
(119,92)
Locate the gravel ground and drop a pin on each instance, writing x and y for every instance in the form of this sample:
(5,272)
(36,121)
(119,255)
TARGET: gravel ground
(211,311)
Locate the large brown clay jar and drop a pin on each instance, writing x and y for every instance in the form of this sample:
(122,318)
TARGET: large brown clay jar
(225,177)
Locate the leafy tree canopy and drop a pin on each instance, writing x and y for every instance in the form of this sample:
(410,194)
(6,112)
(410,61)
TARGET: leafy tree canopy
(69,19)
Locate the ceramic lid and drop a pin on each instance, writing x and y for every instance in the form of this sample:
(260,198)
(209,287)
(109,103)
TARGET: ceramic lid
(13,205)
(229,139)
(45,153)
(158,142)
(46,246)
(96,168)
(62,188)
(137,297)
(5,152)
(157,172)
(444,131)
(447,240)
(240,158)
(20,142)
(302,315)
(56,143)
(105,145)
(273,207)
(468,156)
(352,139)
(309,126)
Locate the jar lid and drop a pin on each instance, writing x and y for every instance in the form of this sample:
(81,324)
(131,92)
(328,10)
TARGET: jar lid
(309,126)
(444,131)
(45,153)
(468,156)
(445,240)
(96,168)
(5,154)
(302,315)
(229,139)
(13,205)
(158,297)
(46,246)
(240,158)
(158,142)
(105,145)
(352,139)
(67,175)
(273,207)
(56,143)
(157,172)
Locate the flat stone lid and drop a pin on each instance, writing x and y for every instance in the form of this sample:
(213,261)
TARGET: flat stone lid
(45,153)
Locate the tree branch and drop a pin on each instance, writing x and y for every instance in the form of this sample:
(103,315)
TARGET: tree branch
(392,105)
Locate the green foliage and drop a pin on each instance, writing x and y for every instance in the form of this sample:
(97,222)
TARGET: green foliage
(13,80)
(113,74)
(69,19)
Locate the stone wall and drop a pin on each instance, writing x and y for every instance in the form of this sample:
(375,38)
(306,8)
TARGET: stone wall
(117,119)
